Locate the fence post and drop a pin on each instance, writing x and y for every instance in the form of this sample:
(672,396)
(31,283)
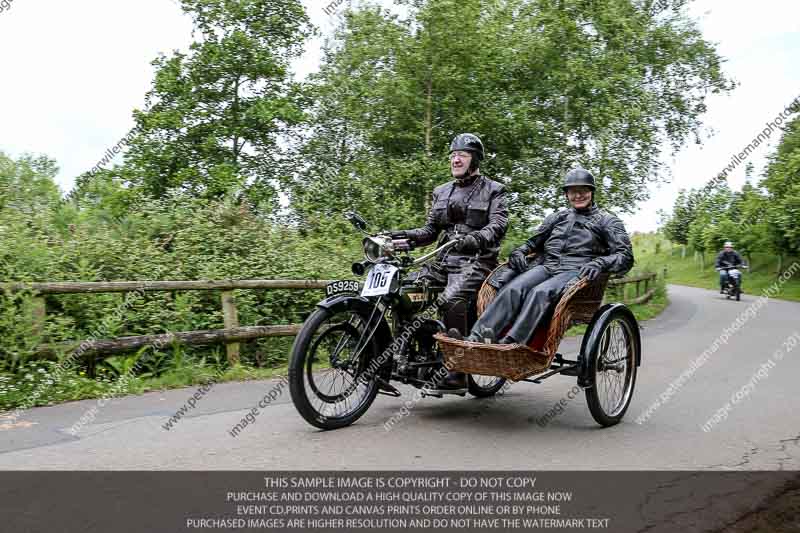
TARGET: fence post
(39,315)
(231,318)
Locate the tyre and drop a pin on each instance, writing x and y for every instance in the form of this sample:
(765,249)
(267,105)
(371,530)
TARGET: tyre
(484,386)
(329,380)
(612,358)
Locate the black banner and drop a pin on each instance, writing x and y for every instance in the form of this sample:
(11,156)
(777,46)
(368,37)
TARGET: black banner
(384,501)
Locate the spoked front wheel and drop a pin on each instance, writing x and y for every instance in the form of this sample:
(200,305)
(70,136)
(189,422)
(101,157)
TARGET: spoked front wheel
(484,386)
(329,378)
(612,358)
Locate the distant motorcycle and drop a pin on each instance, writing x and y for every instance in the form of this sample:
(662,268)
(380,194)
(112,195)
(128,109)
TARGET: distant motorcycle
(733,287)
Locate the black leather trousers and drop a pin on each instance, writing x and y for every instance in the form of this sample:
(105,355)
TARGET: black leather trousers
(524,302)
(464,279)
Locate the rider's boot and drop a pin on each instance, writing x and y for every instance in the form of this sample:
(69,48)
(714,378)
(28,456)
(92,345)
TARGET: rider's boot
(453,333)
(487,335)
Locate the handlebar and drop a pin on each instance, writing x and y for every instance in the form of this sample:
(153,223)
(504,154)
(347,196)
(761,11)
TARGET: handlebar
(427,256)
(402,245)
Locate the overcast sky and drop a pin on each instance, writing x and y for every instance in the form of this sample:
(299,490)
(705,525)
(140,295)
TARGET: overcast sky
(72,72)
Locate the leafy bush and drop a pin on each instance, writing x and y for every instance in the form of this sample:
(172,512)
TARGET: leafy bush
(39,382)
(174,238)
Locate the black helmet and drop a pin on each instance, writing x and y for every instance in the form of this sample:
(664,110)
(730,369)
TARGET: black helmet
(578,177)
(469,143)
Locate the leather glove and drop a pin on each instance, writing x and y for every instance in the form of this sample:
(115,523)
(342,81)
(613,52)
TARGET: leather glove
(518,261)
(398,234)
(468,244)
(589,271)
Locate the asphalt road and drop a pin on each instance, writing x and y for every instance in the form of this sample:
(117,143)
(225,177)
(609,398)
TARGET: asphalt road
(761,431)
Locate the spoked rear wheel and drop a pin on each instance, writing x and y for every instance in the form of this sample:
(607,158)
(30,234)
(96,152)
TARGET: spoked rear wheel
(484,386)
(612,363)
(328,376)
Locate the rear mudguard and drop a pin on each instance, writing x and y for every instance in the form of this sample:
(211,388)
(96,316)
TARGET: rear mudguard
(592,337)
(383,335)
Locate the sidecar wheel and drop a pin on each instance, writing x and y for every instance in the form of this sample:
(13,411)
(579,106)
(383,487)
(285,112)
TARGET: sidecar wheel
(484,386)
(326,354)
(612,359)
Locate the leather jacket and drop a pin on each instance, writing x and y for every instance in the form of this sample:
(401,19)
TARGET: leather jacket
(570,238)
(732,259)
(478,206)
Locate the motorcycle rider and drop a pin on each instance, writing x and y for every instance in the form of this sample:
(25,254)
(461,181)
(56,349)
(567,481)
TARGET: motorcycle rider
(728,257)
(581,241)
(472,209)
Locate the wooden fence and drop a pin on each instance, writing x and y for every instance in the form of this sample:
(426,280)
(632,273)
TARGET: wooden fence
(232,334)
(620,285)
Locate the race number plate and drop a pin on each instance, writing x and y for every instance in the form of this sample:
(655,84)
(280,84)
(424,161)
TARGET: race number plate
(342,286)
(379,280)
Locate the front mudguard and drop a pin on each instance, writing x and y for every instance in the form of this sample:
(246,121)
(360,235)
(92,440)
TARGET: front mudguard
(592,337)
(383,335)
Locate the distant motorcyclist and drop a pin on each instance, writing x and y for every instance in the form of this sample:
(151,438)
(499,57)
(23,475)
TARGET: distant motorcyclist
(474,210)
(728,257)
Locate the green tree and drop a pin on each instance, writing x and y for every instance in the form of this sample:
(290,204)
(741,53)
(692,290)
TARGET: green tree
(749,213)
(782,181)
(711,219)
(214,116)
(28,185)
(547,84)
(676,226)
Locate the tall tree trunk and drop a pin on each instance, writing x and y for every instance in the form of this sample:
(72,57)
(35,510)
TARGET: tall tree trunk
(428,114)
(566,139)
(428,126)
(236,146)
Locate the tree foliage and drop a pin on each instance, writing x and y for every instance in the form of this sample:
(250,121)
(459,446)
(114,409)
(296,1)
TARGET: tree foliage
(782,182)
(547,84)
(214,116)
(757,218)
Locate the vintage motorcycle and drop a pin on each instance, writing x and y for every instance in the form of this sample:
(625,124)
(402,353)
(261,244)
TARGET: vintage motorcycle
(358,339)
(733,287)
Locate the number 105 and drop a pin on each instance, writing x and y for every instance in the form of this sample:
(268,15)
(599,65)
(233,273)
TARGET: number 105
(378,279)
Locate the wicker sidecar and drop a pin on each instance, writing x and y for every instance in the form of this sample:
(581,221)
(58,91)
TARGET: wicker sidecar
(606,365)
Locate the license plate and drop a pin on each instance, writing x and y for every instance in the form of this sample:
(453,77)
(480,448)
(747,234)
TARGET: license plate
(350,286)
(379,280)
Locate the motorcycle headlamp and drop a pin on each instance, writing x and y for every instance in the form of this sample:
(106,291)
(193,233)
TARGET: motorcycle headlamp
(375,248)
